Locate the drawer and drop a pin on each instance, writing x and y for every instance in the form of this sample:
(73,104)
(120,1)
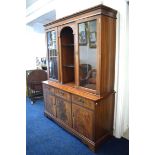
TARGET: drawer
(51,90)
(45,87)
(48,89)
(83,102)
(63,94)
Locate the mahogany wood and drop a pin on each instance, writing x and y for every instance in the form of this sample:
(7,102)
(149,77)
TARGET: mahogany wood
(107,55)
(80,116)
(49,99)
(86,113)
(63,111)
(83,102)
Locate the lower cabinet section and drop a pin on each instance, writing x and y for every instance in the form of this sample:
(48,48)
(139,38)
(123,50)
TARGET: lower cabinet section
(89,120)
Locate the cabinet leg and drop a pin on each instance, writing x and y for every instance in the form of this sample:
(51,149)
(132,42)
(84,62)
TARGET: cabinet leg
(91,147)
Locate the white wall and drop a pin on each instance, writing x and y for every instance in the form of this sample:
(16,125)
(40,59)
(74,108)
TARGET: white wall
(67,7)
(35,45)
(35,35)
(38,9)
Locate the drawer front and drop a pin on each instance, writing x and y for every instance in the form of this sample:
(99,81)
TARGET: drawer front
(48,89)
(45,87)
(51,90)
(83,101)
(63,94)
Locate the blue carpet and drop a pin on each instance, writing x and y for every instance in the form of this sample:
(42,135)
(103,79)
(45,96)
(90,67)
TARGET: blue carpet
(44,137)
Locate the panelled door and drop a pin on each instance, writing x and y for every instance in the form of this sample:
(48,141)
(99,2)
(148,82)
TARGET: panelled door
(83,120)
(49,100)
(63,109)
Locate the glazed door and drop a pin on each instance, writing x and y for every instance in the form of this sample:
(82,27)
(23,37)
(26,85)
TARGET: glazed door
(87,45)
(82,120)
(52,54)
(63,109)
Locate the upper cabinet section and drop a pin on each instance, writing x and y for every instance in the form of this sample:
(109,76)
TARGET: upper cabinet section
(81,50)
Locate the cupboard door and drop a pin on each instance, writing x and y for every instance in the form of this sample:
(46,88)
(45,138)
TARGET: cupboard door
(49,101)
(63,109)
(83,121)
(45,94)
(50,105)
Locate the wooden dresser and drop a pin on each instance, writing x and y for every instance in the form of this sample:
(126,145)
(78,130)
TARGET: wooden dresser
(79,93)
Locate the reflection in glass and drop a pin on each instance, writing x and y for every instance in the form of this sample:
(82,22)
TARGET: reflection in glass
(87,55)
(82,34)
(92,34)
(52,55)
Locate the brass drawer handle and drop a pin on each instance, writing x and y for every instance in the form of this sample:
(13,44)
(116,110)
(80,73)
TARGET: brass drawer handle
(61,93)
(51,93)
(81,100)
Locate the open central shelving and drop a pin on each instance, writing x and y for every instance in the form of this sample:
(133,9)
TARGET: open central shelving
(67,52)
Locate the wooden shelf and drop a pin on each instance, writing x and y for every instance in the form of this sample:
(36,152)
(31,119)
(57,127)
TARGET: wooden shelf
(68,45)
(70,65)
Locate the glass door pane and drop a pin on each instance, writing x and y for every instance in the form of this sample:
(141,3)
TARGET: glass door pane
(52,55)
(87,54)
